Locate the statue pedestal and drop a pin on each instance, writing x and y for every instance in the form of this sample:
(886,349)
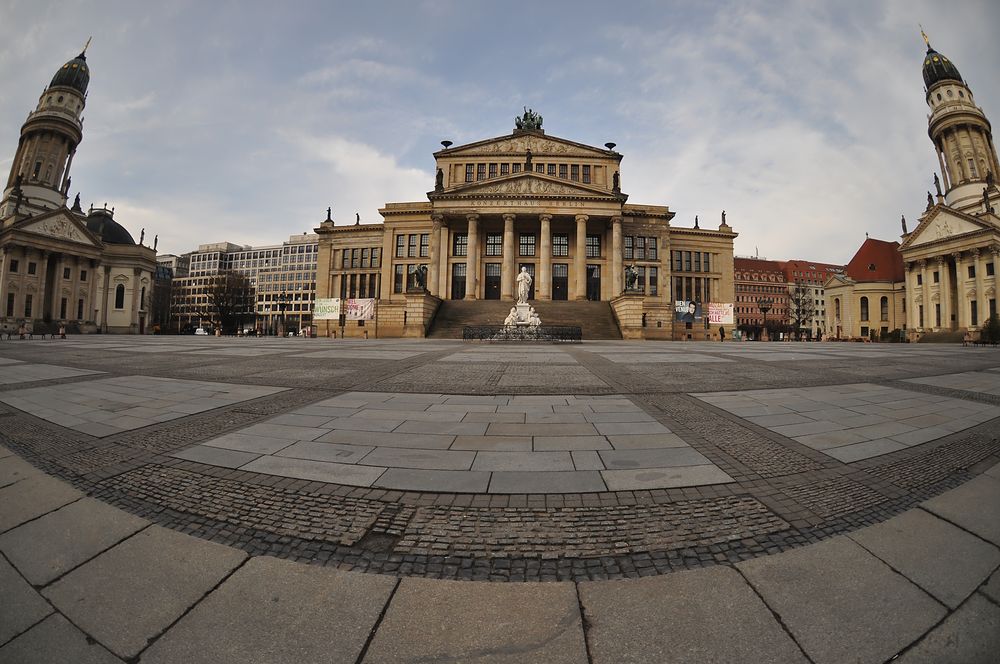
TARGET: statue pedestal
(522,314)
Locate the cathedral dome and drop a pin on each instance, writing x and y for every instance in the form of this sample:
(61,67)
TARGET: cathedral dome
(74,74)
(938,68)
(102,223)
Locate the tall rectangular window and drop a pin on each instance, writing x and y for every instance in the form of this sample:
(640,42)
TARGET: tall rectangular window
(412,250)
(480,171)
(629,252)
(989,269)
(425,243)
(400,246)
(62,307)
(397,278)
(27,305)
(560,244)
(526,244)
(504,169)
(516,168)
(937,315)
(364,257)
(937,277)
(593,246)
(33,267)
(345,261)
(678,265)
(79,309)
(972,272)
(697,261)
(460,245)
(705,262)
(469,172)
(651,248)
(586,174)
(66,273)
(574,172)
(355,258)
(10,304)
(552,170)
(14,265)
(494,244)
(375,261)
(653,280)
(687,262)
(640,248)
(974,311)
(563,172)
(493,170)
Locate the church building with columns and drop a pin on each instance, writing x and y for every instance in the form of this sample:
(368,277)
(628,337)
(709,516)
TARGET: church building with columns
(60,266)
(952,257)
(527,201)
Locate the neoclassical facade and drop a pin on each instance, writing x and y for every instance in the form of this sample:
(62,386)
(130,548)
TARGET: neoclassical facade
(59,265)
(531,201)
(952,257)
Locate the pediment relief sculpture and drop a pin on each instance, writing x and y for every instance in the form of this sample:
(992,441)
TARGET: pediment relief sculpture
(528,185)
(540,147)
(60,228)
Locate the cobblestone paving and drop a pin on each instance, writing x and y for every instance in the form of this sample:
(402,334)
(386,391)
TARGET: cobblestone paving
(778,490)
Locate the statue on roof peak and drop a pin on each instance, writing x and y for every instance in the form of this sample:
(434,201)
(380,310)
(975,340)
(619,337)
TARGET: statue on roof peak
(529,120)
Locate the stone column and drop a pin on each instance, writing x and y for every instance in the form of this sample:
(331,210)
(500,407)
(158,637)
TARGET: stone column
(434,257)
(40,307)
(982,302)
(909,295)
(928,309)
(581,257)
(507,273)
(543,286)
(136,304)
(472,265)
(444,253)
(616,256)
(996,280)
(944,291)
(961,306)
(104,303)
(91,304)
(944,171)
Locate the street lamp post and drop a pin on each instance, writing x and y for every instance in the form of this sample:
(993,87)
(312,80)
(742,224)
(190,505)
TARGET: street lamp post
(764,304)
(282,305)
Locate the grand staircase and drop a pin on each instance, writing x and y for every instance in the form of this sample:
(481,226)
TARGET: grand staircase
(594,318)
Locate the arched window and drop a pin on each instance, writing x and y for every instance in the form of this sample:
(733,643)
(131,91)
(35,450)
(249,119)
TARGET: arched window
(864,308)
(884,308)
(142,298)
(120,296)
(836,307)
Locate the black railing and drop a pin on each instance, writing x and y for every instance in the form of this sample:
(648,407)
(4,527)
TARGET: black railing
(556,333)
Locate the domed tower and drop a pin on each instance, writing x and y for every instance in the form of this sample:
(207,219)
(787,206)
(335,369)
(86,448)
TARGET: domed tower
(39,175)
(960,131)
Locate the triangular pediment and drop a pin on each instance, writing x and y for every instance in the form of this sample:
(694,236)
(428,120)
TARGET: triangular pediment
(519,143)
(525,184)
(61,225)
(941,224)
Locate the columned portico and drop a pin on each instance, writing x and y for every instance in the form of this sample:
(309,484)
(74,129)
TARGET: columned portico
(944,291)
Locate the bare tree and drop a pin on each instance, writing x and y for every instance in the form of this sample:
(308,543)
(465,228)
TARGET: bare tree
(231,299)
(801,307)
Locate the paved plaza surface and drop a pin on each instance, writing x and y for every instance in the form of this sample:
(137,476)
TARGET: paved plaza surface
(186,499)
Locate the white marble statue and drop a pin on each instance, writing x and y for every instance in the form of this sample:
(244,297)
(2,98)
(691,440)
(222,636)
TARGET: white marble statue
(511,318)
(533,319)
(523,286)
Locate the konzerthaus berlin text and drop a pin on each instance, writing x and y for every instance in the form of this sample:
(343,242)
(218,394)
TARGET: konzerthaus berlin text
(525,200)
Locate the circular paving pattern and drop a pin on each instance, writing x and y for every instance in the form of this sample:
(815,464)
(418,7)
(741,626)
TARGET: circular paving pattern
(503,462)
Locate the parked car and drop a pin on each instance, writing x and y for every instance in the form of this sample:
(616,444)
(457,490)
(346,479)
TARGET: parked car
(201,332)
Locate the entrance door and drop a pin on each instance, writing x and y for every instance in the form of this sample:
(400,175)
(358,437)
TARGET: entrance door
(492,281)
(458,281)
(531,271)
(594,282)
(560,281)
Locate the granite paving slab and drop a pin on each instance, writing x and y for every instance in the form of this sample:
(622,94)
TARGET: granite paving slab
(53,640)
(925,550)
(55,543)
(969,635)
(655,458)
(982,382)
(325,452)
(274,610)
(962,507)
(14,469)
(493,443)
(447,481)
(448,621)
(523,461)
(320,471)
(20,373)
(21,607)
(664,478)
(837,588)
(708,615)
(138,588)
(31,498)
(546,482)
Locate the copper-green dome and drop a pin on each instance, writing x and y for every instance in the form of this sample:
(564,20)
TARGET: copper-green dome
(74,74)
(938,68)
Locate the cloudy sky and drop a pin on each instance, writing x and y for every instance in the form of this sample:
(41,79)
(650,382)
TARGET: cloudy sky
(243,121)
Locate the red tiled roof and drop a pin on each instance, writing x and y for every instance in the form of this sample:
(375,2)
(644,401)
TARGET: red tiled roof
(758,264)
(876,260)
